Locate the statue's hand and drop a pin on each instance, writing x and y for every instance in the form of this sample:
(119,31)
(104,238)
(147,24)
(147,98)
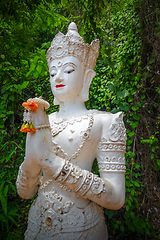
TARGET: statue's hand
(38,143)
(39,152)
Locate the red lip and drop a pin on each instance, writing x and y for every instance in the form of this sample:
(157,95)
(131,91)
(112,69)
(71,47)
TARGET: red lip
(60,85)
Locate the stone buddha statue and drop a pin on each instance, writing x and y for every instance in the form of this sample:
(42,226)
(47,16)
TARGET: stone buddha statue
(60,153)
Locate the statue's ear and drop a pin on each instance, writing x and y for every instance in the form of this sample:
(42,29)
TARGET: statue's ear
(89,75)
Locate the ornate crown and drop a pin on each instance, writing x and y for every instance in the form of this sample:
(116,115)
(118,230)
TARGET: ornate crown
(72,44)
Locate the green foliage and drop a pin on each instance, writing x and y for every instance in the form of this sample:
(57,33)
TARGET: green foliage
(9,211)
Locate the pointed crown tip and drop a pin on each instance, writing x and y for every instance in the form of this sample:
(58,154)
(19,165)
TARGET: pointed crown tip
(72,26)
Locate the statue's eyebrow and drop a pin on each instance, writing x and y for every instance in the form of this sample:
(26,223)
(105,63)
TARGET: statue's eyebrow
(53,67)
(69,63)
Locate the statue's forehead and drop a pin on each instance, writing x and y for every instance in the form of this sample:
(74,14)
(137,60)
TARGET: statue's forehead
(61,62)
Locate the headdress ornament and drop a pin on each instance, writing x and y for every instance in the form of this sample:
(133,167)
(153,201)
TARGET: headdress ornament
(72,44)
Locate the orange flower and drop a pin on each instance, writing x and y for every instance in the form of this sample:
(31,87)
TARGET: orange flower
(25,128)
(30,104)
(32,128)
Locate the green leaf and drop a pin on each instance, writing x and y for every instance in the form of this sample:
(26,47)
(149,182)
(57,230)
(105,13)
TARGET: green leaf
(5,190)
(158,162)
(35,59)
(110,63)
(32,67)
(131,133)
(10,112)
(114,110)
(116,101)
(147,231)
(109,213)
(129,141)
(4,204)
(143,97)
(124,107)
(137,116)
(7,63)
(11,97)
(136,184)
(3,56)
(28,73)
(12,68)
(24,84)
(156,167)
(39,68)
(49,21)
(134,124)
(122,228)
(135,108)
(36,74)
(127,208)
(12,219)
(151,61)
(2,218)
(111,86)
(123,93)
(1,186)
(130,99)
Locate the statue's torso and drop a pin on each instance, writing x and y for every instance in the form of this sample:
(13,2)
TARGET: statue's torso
(59,210)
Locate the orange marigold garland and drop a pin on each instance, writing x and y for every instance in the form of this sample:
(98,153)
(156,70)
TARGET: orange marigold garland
(27,125)
(30,104)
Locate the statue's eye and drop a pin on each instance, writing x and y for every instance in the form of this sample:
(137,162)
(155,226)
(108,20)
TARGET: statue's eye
(68,71)
(53,74)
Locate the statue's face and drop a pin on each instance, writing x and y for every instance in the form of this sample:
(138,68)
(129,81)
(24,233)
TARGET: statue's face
(66,78)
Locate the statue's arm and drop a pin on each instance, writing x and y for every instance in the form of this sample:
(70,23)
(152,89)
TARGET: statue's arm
(38,156)
(27,185)
(29,171)
(38,147)
(111,161)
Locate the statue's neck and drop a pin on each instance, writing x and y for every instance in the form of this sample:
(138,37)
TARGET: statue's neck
(70,109)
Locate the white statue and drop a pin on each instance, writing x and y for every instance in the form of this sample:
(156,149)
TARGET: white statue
(60,153)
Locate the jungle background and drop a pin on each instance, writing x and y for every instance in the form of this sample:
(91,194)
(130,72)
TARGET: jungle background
(127,80)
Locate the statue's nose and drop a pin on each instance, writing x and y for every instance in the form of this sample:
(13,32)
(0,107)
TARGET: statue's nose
(58,80)
(59,77)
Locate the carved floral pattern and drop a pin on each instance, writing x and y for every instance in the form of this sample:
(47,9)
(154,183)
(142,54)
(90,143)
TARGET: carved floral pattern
(52,224)
(113,164)
(104,145)
(117,130)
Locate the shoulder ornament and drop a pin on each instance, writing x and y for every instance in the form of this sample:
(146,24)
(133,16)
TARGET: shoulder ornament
(117,131)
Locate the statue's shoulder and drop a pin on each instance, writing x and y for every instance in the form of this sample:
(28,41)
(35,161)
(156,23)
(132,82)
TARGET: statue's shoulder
(111,124)
(52,116)
(107,118)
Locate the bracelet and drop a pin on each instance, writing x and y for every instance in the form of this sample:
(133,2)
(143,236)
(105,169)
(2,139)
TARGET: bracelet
(22,179)
(42,126)
(88,183)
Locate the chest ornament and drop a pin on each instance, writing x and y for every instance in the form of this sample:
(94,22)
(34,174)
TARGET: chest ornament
(58,125)
(84,135)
